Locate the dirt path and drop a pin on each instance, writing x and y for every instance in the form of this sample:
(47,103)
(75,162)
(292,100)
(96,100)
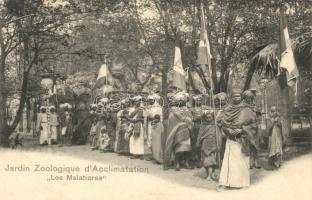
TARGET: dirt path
(192,178)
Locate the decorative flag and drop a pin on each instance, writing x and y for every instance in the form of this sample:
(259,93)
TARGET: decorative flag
(203,52)
(103,76)
(197,82)
(178,73)
(287,59)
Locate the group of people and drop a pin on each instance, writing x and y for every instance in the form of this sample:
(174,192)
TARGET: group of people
(189,133)
(184,133)
(133,129)
(53,127)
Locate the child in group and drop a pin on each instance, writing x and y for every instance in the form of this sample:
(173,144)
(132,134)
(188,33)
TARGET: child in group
(156,139)
(104,140)
(93,139)
(206,142)
(275,138)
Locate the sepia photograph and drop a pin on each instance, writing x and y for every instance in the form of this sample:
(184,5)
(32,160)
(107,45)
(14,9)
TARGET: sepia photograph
(156,99)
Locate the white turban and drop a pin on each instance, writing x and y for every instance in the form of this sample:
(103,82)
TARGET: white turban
(137,98)
(181,96)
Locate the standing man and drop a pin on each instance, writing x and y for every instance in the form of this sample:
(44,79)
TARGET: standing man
(197,119)
(53,125)
(154,130)
(66,123)
(236,122)
(178,143)
(222,101)
(121,144)
(111,122)
(249,98)
(101,122)
(42,126)
(136,130)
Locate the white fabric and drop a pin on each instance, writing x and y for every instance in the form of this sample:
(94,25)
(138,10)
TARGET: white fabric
(287,59)
(152,111)
(54,133)
(136,144)
(104,141)
(64,130)
(44,132)
(178,75)
(177,66)
(235,166)
(103,72)
(118,123)
(186,142)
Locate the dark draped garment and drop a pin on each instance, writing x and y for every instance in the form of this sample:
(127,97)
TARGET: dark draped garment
(207,141)
(121,143)
(235,164)
(179,132)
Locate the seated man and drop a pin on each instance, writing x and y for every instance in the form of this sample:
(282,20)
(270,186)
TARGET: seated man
(104,140)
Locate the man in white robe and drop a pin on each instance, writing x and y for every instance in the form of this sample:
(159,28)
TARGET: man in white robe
(136,139)
(154,133)
(42,126)
(53,122)
(236,121)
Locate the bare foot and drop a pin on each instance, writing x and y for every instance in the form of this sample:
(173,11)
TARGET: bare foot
(209,178)
(221,188)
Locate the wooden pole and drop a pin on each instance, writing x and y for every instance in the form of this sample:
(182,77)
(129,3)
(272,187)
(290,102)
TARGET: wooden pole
(211,83)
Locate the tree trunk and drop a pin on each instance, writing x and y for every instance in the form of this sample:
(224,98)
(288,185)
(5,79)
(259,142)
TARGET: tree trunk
(226,81)
(214,76)
(21,106)
(26,70)
(28,115)
(4,136)
(222,82)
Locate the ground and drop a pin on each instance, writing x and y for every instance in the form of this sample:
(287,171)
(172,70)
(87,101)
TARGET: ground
(291,181)
(193,178)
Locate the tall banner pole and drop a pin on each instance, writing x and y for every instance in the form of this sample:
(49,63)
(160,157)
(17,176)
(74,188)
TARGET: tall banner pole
(211,83)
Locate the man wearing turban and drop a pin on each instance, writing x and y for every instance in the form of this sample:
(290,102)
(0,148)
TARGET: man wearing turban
(236,122)
(178,143)
(136,130)
(42,126)
(154,127)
